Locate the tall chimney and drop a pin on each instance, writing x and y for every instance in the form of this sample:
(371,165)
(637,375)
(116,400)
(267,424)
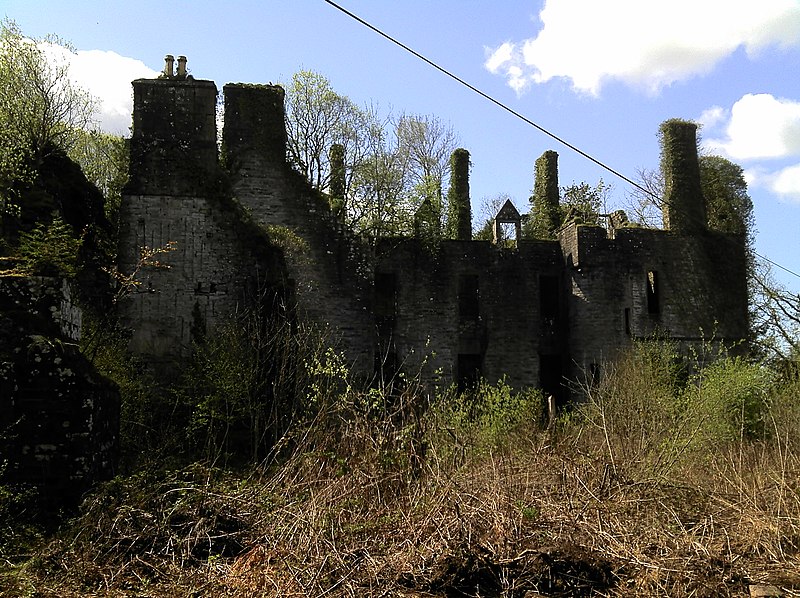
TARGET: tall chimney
(182,67)
(684,210)
(169,61)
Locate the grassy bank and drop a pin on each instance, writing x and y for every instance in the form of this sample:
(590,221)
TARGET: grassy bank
(664,483)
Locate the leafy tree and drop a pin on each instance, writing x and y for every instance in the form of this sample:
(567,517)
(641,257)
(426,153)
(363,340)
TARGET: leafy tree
(317,118)
(384,167)
(377,205)
(426,144)
(583,203)
(40,110)
(104,160)
(728,205)
(50,250)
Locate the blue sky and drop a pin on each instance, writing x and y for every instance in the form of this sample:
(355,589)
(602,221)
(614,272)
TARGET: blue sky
(602,74)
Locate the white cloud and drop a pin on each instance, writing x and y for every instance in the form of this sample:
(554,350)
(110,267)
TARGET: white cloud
(107,76)
(759,129)
(786,183)
(644,44)
(711,117)
(760,126)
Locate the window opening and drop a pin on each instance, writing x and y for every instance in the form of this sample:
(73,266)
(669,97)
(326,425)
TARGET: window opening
(385,293)
(468,298)
(653,299)
(468,371)
(549,299)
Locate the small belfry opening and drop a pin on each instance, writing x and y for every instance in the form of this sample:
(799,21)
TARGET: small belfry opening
(507,225)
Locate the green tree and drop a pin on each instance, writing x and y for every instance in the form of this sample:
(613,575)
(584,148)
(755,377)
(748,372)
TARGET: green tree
(377,203)
(40,110)
(104,160)
(583,203)
(426,144)
(728,205)
(316,119)
(383,167)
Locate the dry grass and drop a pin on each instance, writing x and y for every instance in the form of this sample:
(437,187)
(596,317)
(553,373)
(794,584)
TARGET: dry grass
(360,510)
(544,517)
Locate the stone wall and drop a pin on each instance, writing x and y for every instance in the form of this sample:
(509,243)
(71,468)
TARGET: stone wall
(219,259)
(331,271)
(534,312)
(59,419)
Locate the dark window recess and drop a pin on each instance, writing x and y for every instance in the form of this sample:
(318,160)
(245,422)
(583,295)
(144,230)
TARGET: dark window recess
(628,321)
(653,292)
(384,327)
(468,298)
(385,294)
(551,375)
(549,300)
(468,371)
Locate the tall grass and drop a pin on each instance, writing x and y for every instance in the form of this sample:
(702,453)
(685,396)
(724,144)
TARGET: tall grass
(664,482)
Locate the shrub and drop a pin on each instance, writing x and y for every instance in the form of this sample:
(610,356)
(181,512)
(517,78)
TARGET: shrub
(731,400)
(485,418)
(50,250)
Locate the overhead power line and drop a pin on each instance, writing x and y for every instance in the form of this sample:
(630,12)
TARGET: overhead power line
(522,117)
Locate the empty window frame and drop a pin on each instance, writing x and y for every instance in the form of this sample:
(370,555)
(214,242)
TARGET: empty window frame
(385,294)
(549,298)
(468,371)
(468,298)
(551,375)
(653,292)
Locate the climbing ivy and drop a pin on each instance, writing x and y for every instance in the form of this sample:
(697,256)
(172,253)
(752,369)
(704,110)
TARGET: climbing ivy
(459,211)
(545,215)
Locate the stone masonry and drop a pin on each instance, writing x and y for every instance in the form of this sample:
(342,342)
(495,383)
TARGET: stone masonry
(537,312)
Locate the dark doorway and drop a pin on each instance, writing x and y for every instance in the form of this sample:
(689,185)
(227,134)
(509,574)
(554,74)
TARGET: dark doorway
(551,376)
(468,371)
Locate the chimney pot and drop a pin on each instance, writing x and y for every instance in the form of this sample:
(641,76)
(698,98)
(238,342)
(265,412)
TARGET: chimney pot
(169,61)
(182,66)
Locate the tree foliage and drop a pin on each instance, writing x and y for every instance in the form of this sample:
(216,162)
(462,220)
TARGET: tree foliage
(40,112)
(385,166)
(104,159)
(583,203)
(40,108)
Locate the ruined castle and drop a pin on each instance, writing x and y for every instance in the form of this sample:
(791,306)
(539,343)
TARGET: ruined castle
(535,311)
(246,230)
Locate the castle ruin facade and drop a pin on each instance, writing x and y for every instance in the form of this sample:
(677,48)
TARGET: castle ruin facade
(536,312)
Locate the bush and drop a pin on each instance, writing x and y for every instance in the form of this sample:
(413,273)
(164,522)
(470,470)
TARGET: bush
(486,418)
(731,400)
(50,250)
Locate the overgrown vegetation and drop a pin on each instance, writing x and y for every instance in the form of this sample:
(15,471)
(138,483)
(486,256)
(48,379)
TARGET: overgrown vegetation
(268,470)
(667,481)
